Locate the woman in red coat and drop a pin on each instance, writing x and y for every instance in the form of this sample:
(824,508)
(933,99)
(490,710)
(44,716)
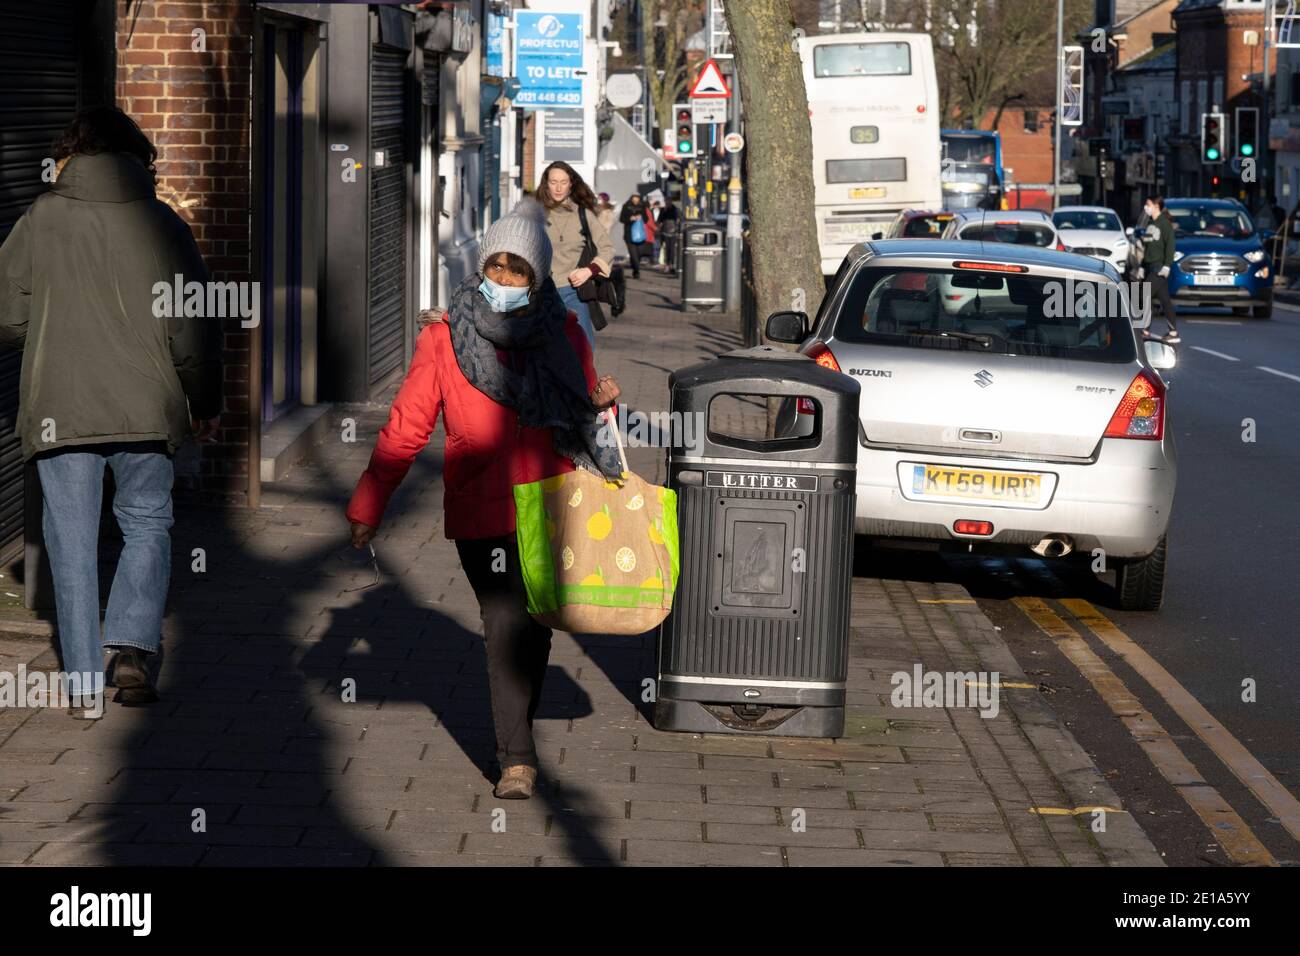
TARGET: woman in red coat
(510,371)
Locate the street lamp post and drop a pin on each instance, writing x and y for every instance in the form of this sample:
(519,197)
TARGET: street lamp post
(1060,79)
(1261,131)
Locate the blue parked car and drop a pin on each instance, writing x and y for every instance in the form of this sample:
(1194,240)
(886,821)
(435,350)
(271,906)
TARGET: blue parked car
(1219,257)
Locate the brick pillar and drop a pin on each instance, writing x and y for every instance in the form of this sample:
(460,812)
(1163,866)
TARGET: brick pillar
(191,96)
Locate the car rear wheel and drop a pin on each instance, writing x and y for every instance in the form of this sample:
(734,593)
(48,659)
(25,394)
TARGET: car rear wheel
(1140,584)
(1262,311)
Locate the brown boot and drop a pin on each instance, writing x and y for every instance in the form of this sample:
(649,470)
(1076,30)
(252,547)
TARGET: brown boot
(516,783)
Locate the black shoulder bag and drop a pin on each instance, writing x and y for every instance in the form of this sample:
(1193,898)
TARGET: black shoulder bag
(598,288)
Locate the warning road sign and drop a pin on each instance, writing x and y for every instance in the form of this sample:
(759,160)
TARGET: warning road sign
(708,111)
(710,84)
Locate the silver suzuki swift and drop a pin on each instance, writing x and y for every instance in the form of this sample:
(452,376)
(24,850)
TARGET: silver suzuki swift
(1007,402)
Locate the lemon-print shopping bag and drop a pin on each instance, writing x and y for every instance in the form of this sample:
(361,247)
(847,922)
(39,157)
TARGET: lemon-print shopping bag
(598,557)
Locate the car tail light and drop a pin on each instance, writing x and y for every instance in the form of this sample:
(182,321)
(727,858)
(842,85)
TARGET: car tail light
(1060,246)
(971,526)
(1141,412)
(990,266)
(820,353)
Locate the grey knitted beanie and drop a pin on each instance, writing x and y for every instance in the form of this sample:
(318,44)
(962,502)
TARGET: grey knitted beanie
(523,232)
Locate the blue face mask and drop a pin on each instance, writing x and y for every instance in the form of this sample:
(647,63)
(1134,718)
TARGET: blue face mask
(503,298)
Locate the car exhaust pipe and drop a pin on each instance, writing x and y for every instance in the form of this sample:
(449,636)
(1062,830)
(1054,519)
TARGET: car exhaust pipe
(1053,546)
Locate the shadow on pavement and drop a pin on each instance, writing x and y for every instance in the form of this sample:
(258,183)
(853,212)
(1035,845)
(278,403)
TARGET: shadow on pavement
(248,727)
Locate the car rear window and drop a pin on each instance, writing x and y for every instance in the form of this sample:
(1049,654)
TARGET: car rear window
(1013,314)
(925,227)
(1016,233)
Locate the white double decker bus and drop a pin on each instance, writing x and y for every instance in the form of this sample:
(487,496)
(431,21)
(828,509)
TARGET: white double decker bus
(873,101)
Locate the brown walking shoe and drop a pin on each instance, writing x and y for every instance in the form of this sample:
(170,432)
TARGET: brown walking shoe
(516,783)
(131,677)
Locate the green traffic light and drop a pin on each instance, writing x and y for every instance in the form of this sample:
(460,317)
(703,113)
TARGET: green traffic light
(1211,153)
(684,146)
(1247,149)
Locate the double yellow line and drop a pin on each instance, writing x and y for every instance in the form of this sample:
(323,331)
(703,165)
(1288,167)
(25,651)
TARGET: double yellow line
(1228,828)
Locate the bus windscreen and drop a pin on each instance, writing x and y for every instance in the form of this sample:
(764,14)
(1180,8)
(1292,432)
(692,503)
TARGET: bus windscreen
(862,59)
(969,149)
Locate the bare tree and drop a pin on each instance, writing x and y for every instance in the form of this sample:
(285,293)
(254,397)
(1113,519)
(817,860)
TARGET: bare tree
(990,54)
(786,263)
(667,25)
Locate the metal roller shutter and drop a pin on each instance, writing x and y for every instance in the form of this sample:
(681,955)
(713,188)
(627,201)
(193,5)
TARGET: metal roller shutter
(387,257)
(39,85)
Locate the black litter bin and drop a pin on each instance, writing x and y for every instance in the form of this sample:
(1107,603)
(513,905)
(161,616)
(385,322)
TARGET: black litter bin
(703,273)
(758,638)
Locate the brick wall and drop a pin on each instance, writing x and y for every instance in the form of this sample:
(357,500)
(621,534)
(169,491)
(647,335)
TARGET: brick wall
(1140,32)
(195,106)
(1026,151)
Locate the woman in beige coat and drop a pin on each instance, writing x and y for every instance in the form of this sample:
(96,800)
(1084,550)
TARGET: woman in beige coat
(563,194)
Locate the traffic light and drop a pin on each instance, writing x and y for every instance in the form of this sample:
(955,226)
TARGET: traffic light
(1247,137)
(685,126)
(1212,145)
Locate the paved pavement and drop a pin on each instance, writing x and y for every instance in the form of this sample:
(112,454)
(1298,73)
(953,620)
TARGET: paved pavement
(258,755)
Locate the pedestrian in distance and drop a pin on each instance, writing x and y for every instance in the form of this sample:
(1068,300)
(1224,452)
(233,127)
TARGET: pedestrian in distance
(509,370)
(571,214)
(652,228)
(670,222)
(633,216)
(1158,259)
(606,213)
(107,382)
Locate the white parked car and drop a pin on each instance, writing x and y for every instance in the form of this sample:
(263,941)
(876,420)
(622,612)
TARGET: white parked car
(1016,425)
(1093,231)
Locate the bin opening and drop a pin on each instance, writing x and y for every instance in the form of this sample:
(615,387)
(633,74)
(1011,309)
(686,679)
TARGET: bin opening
(764,423)
(756,718)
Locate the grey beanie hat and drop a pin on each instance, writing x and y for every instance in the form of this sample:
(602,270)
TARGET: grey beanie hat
(523,232)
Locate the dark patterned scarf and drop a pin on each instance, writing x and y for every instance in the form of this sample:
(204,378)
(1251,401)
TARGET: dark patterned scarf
(545,383)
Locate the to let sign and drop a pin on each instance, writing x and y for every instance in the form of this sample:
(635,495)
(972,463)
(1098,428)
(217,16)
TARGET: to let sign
(549,52)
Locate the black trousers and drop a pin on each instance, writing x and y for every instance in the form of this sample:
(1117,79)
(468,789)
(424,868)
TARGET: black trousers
(635,250)
(518,648)
(617,277)
(1160,293)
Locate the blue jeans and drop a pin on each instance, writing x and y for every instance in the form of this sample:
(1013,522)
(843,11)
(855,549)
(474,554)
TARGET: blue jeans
(73,485)
(570,296)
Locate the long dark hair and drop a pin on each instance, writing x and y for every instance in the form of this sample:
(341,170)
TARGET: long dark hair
(580,192)
(105,129)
